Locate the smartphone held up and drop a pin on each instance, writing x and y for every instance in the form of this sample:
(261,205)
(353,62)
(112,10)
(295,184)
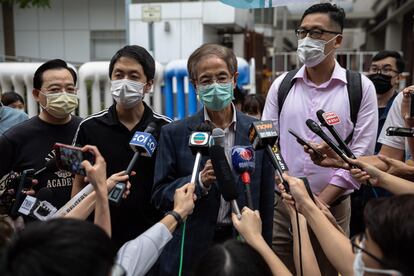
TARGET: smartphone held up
(70,158)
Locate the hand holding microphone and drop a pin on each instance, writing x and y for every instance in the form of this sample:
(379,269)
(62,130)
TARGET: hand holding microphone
(199,143)
(312,125)
(243,163)
(207,174)
(263,135)
(144,144)
(298,195)
(330,159)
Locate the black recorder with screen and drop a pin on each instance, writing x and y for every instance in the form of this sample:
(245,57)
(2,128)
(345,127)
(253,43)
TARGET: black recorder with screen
(400,131)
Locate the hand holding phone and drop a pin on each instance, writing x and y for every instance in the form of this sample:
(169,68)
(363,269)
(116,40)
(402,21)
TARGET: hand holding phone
(304,143)
(69,158)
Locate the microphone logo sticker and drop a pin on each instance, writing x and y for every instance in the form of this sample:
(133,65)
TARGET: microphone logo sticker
(331,118)
(143,142)
(199,138)
(246,154)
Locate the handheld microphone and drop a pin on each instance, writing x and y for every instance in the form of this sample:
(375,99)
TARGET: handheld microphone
(243,163)
(312,125)
(328,120)
(50,166)
(224,176)
(24,183)
(39,207)
(74,201)
(199,143)
(143,143)
(218,136)
(263,135)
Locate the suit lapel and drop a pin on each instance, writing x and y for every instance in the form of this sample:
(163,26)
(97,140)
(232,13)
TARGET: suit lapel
(196,120)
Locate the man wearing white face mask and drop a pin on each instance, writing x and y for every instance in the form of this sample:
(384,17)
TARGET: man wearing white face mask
(29,145)
(131,71)
(321,83)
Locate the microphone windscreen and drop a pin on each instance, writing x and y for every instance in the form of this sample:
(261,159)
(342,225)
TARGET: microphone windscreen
(151,128)
(51,165)
(312,125)
(218,136)
(225,180)
(319,114)
(242,158)
(45,194)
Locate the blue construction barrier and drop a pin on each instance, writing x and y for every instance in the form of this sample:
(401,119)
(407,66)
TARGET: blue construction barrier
(175,97)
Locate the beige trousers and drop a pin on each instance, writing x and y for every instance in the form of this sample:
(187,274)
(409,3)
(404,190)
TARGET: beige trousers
(282,243)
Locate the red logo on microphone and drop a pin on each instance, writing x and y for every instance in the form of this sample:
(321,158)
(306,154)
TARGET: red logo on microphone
(246,155)
(331,118)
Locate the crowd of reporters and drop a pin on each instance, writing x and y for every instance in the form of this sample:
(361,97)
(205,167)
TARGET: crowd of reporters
(181,220)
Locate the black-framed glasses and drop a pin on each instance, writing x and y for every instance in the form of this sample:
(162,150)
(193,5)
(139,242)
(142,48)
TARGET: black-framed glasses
(314,33)
(357,242)
(386,70)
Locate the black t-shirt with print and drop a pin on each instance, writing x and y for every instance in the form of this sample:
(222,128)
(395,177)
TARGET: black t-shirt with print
(135,214)
(29,145)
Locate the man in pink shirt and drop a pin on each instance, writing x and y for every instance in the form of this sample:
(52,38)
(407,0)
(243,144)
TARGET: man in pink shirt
(320,84)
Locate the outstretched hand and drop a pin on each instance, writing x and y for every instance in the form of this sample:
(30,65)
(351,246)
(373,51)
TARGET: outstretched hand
(329,157)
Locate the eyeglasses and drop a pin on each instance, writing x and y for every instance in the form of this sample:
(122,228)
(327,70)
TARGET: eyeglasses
(384,70)
(70,90)
(356,242)
(220,80)
(313,33)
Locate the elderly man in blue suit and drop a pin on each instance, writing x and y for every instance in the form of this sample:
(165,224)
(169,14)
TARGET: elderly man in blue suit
(213,72)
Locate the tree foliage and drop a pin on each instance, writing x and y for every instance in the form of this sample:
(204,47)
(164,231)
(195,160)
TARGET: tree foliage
(28,3)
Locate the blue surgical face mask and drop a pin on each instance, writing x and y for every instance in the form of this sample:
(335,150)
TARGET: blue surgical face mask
(216,96)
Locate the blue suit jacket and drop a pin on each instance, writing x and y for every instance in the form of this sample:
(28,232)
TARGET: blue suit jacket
(173,168)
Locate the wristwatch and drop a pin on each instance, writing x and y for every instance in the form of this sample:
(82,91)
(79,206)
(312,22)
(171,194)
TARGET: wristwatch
(176,215)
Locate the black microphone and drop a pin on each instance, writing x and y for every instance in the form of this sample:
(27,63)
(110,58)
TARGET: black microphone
(50,166)
(263,135)
(242,159)
(24,183)
(143,143)
(39,207)
(312,125)
(224,176)
(328,120)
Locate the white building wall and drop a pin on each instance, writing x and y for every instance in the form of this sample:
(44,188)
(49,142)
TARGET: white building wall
(176,36)
(63,31)
(184,26)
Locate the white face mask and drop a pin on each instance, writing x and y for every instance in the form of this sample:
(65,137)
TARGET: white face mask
(360,268)
(311,51)
(127,93)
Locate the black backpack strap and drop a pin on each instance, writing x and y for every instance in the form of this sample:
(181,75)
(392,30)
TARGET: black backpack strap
(285,87)
(354,87)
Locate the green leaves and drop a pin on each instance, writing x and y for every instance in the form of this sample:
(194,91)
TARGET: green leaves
(28,3)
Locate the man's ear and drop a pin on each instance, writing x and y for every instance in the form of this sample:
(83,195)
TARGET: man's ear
(235,78)
(148,86)
(194,83)
(35,93)
(338,41)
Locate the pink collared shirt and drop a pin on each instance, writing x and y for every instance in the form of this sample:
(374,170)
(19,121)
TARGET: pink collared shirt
(302,103)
